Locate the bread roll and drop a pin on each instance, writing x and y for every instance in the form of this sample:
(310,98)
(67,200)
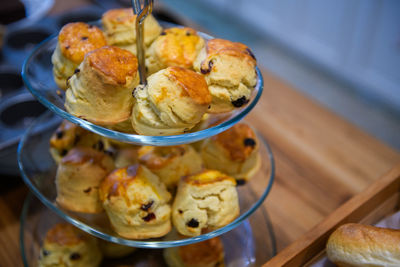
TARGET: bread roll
(174,47)
(204,201)
(209,253)
(69,135)
(101,90)
(120,28)
(78,179)
(75,40)
(174,101)
(363,245)
(170,163)
(229,69)
(136,203)
(65,245)
(234,152)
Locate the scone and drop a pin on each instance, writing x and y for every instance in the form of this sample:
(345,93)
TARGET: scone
(209,253)
(65,245)
(170,163)
(100,91)
(120,28)
(127,156)
(174,47)
(204,201)
(234,152)
(136,202)
(355,244)
(75,40)
(112,250)
(78,178)
(69,135)
(229,69)
(173,101)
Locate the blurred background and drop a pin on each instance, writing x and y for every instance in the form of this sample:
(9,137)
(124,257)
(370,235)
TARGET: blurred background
(344,54)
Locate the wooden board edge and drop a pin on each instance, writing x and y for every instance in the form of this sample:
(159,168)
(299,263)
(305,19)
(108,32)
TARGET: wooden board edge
(311,243)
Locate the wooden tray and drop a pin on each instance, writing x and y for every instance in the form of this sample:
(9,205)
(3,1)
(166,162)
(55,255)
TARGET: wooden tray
(379,200)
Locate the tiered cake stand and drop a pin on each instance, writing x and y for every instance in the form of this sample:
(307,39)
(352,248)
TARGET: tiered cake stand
(253,237)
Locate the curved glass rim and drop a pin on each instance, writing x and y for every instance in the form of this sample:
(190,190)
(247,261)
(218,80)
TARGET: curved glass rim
(135,138)
(144,243)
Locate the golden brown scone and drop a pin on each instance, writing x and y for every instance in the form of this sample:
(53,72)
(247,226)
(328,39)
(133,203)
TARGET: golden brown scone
(113,250)
(75,40)
(234,152)
(204,201)
(120,28)
(174,47)
(78,178)
(69,135)
(136,202)
(101,90)
(230,72)
(363,245)
(65,245)
(209,253)
(127,156)
(170,163)
(173,101)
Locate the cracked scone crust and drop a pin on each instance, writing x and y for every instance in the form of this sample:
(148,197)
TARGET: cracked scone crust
(78,178)
(204,201)
(170,163)
(174,101)
(234,152)
(65,245)
(174,47)
(75,40)
(100,91)
(229,69)
(120,29)
(136,203)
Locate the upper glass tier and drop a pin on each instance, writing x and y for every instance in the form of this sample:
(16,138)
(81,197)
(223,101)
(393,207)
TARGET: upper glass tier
(38,77)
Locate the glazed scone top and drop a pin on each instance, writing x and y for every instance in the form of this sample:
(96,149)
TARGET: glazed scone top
(215,47)
(208,177)
(78,38)
(65,135)
(81,155)
(65,234)
(158,157)
(178,46)
(118,16)
(206,252)
(193,84)
(238,142)
(115,63)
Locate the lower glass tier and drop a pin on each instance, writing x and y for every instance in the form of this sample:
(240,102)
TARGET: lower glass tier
(38,170)
(243,246)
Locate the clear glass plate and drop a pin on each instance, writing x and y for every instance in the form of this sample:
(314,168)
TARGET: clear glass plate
(244,246)
(38,78)
(38,171)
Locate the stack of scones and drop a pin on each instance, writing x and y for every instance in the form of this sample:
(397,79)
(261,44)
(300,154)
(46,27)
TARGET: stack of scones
(146,191)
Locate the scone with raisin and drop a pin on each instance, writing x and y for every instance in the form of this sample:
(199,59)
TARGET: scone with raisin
(204,201)
(229,69)
(170,163)
(65,245)
(209,253)
(136,203)
(69,135)
(173,101)
(101,90)
(120,28)
(174,47)
(78,179)
(234,152)
(75,40)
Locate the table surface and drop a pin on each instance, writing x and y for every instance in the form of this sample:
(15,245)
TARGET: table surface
(321,161)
